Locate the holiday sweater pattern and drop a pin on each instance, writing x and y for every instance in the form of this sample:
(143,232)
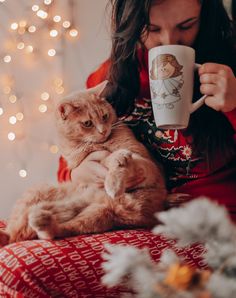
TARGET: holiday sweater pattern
(168,146)
(185,172)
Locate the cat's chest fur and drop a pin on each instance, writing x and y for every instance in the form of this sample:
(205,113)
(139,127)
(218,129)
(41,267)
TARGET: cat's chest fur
(120,138)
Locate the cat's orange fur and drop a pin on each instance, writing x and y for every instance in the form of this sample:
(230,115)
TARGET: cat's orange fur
(70,208)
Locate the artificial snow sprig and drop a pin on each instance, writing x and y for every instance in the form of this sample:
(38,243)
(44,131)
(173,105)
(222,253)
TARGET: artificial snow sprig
(127,261)
(221,287)
(167,279)
(203,221)
(200,220)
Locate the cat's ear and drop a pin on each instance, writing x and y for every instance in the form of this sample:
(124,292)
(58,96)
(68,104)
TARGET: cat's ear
(98,89)
(64,109)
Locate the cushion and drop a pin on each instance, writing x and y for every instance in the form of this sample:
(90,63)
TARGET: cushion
(71,267)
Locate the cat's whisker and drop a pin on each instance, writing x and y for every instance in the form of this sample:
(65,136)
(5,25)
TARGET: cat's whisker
(87,144)
(118,122)
(118,126)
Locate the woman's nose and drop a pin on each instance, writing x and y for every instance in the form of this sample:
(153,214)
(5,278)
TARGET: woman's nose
(167,38)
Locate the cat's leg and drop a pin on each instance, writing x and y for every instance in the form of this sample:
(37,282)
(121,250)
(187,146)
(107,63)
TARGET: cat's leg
(95,218)
(137,209)
(42,223)
(43,218)
(18,228)
(118,164)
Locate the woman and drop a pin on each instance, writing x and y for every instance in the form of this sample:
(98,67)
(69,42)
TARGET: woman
(200,160)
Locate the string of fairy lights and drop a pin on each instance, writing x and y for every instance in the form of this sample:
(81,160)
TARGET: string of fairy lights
(42,33)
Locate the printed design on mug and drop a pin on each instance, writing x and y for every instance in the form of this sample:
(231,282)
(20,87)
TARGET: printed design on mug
(166,80)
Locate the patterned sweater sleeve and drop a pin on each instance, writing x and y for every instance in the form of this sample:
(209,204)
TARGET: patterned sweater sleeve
(231,116)
(63,172)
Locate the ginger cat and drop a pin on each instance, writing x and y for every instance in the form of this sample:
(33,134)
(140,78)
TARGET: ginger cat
(87,123)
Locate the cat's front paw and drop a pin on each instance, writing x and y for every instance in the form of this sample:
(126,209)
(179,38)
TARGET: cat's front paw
(122,157)
(42,222)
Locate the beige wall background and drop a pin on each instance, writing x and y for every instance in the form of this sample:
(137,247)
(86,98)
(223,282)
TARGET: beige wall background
(29,75)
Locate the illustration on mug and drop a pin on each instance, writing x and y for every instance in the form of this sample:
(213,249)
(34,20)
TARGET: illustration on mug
(166,80)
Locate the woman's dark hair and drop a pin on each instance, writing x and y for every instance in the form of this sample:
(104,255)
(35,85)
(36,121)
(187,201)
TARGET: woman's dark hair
(211,131)
(129,18)
(233,9)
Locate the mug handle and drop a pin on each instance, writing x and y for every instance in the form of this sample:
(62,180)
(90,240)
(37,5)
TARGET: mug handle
(197,104)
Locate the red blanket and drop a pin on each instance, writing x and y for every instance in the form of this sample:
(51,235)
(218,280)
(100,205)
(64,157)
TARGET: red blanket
(72,267)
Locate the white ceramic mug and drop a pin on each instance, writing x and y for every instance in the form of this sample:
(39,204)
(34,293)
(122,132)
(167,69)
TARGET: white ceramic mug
(171,77)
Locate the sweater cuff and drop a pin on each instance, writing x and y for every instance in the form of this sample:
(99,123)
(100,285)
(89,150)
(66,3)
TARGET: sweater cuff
(231,116)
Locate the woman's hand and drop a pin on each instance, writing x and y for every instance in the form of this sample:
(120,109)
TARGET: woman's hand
(219,84)
(91,170)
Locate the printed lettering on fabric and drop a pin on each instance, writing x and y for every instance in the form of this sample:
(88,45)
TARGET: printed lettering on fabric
(72,267)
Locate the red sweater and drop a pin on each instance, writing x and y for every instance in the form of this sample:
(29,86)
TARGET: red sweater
(186,173)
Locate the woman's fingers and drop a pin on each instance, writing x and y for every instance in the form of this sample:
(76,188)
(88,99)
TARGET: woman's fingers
(209,89)
(214,68)
(97,169)
(89,172)
(219,83)
(209,78)
(98,155)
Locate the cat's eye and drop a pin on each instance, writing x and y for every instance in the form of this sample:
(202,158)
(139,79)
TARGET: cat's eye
(87,123)
(105,117)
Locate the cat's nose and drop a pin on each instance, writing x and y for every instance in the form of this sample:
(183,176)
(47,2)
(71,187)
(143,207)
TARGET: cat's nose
(101,130)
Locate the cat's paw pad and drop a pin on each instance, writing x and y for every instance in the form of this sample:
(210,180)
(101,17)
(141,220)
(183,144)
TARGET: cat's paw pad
(41,221)
(114,187)
(123,157)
